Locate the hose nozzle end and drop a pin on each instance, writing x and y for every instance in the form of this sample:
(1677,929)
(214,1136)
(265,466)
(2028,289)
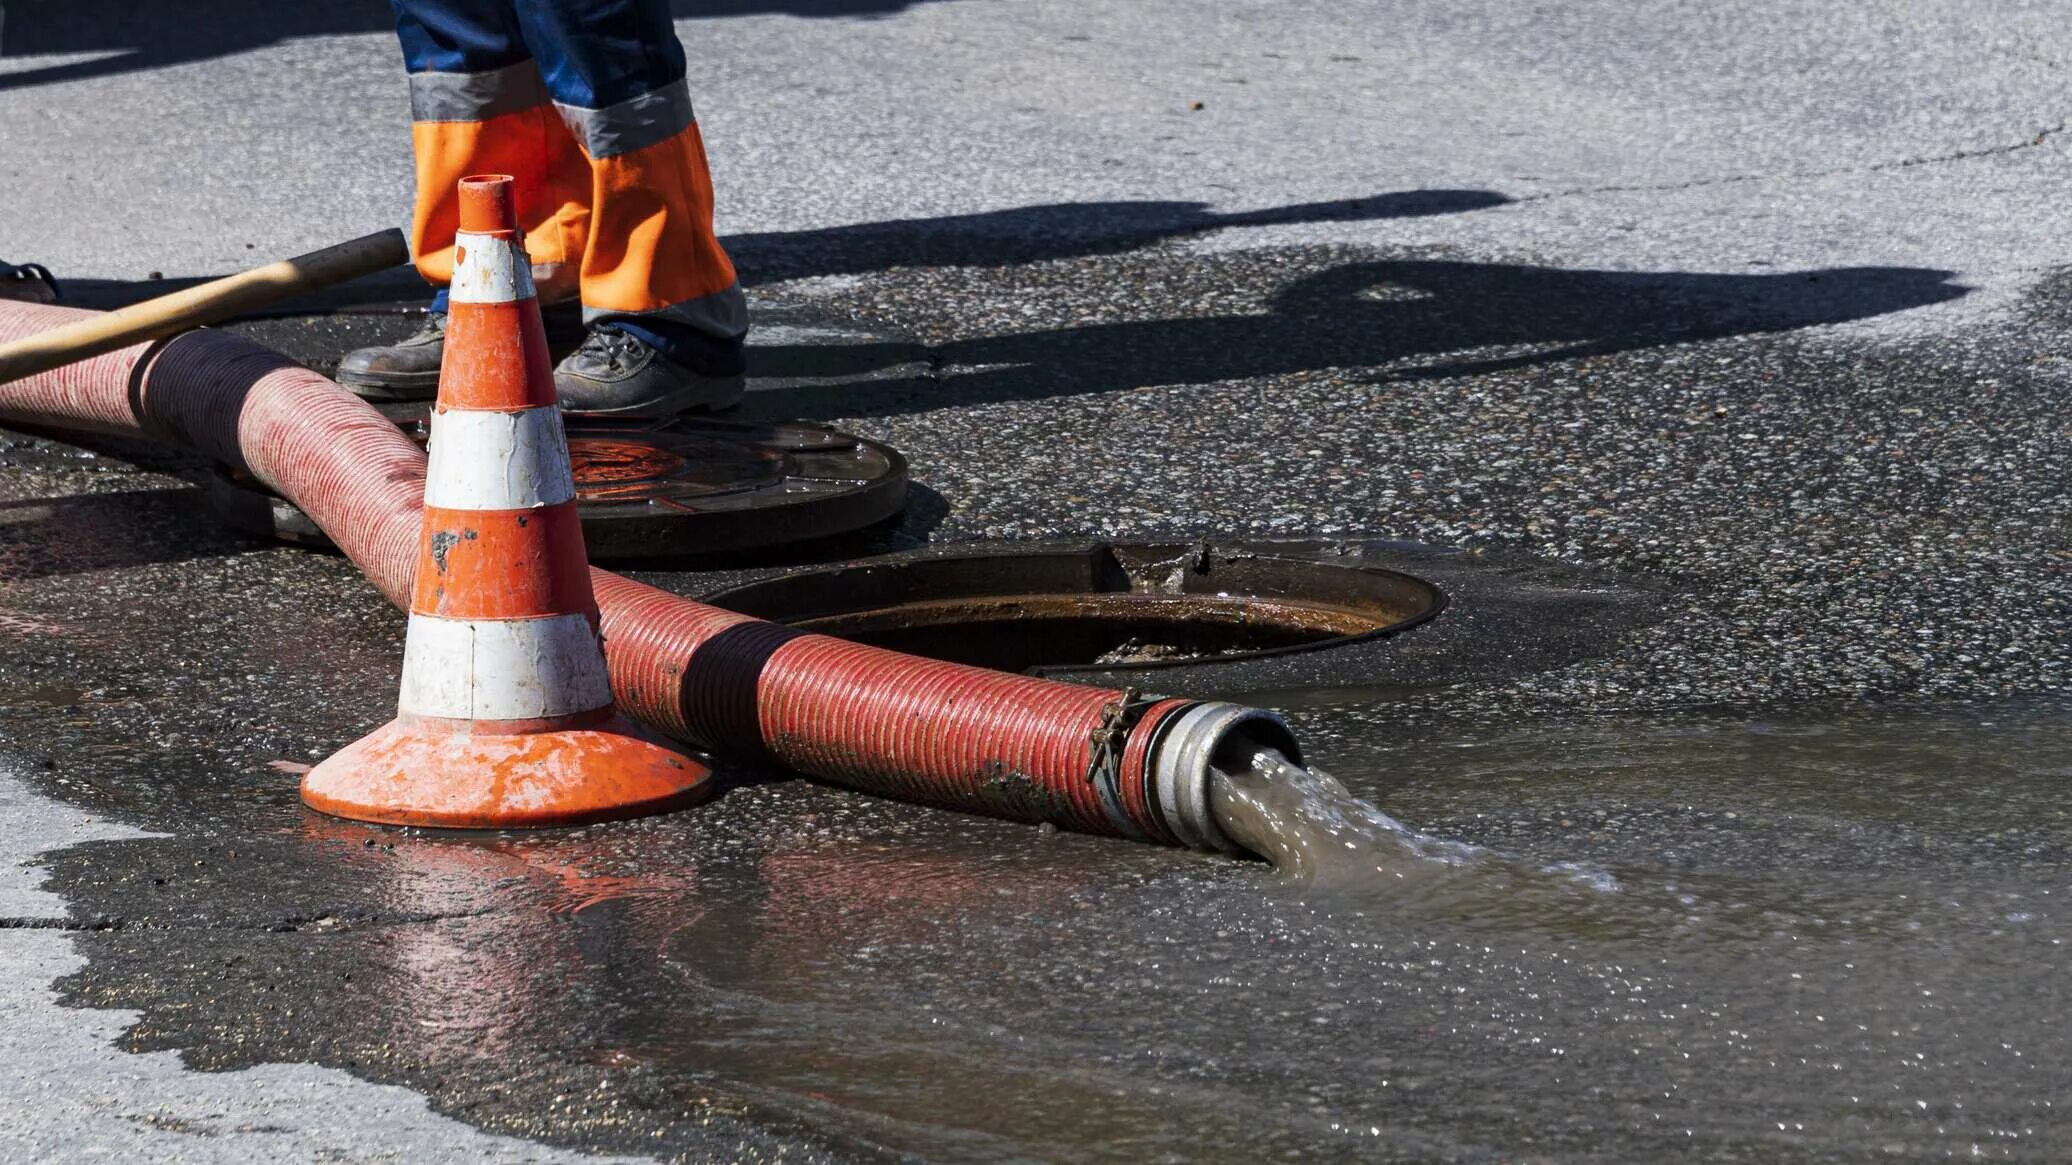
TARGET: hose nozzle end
(1195,744)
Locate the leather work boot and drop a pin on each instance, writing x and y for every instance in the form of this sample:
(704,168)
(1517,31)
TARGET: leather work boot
(406,370)
(409,368)
(617,375)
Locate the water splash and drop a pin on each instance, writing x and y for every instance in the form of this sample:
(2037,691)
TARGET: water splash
(1319,836)
(1343,852)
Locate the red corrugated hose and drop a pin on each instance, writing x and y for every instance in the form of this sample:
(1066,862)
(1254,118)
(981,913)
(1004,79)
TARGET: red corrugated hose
(1082,758)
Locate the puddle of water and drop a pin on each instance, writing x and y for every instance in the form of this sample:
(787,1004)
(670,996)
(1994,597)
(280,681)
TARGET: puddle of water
(1342,853)
(42,696)
(1812,940)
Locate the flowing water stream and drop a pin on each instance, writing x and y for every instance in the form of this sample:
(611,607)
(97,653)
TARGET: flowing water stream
(1317,834)
(1341,851)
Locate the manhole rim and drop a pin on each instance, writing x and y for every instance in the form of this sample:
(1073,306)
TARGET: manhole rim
(621,530)
(1300,552)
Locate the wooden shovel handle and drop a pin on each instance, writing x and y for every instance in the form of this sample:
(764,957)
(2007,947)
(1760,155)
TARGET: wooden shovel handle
(205,303)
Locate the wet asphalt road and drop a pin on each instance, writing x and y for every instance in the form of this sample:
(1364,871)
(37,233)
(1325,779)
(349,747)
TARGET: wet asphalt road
(1773,406)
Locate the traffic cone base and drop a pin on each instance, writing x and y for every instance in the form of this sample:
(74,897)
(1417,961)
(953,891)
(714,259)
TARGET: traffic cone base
(412,771)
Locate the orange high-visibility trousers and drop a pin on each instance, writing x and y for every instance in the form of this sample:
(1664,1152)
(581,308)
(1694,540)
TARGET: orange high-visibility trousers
(585,102)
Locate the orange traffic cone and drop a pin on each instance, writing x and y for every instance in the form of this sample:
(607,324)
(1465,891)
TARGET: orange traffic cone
(505,717)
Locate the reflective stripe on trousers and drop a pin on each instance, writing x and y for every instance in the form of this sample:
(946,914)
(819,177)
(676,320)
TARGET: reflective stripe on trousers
(585,103)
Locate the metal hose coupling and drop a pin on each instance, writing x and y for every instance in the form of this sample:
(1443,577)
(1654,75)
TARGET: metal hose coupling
(1194,744)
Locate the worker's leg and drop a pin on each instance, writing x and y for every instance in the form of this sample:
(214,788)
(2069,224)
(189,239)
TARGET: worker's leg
(478,106)
(652,268)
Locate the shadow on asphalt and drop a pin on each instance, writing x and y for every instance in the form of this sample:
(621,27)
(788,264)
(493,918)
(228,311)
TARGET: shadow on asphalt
(1389,320)
(1022,234)
(1067,230)
(146,36)
(1317,308)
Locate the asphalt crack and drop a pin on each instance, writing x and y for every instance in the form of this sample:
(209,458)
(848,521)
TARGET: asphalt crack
(2041,136)
(2032,142)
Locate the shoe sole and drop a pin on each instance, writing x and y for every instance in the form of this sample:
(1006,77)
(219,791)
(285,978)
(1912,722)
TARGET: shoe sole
(403,386)
(391,387)
(710,396)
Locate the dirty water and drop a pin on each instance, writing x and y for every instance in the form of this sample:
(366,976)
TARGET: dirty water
(1616,939)
(1322,838)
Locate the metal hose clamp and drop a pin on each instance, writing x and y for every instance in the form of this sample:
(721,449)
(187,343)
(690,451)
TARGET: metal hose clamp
(1104,766)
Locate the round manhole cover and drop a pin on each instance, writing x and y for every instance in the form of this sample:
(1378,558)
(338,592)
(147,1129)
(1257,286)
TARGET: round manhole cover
(1113,607)
(696,485)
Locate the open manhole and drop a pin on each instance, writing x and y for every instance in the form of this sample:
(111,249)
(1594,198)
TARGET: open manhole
(1111,607)
(696,485)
